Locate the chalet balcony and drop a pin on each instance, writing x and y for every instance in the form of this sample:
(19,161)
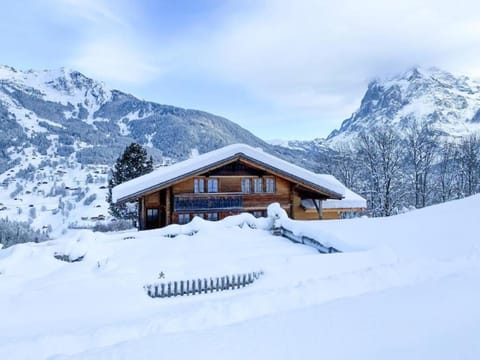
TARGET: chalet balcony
(207,202)
(225,201)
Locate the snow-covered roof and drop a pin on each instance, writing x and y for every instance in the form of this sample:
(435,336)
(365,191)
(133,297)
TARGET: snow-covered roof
(162,177)
(351,199)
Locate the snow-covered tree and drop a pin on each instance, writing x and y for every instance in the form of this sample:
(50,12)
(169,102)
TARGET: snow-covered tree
(134,162)
(14,232)
(380,151)
(421,145)
(469,161)
(346,167)
(446,172)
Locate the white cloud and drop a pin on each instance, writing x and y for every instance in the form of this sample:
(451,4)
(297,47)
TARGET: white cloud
(311,58)
(321,54)
(109,49)
(94,11)
(115,60)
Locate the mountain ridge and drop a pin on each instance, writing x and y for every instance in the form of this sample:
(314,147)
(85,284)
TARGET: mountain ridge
(61,101)
(449,104)
(61,132)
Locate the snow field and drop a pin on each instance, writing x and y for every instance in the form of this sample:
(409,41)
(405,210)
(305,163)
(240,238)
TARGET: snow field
(405,287)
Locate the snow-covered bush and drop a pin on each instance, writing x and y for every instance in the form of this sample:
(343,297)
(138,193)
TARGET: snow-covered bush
(113,226)
(79,195)
(57,190)
(65,150)
(89,199)
(27,173)
(69,205)
(18,190)
(14,232)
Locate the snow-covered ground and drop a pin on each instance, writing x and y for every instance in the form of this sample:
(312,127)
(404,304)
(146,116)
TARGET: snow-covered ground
(404,287)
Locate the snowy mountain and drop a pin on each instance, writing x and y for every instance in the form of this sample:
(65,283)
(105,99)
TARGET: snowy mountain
(450,104)
(60,132)
(62,111)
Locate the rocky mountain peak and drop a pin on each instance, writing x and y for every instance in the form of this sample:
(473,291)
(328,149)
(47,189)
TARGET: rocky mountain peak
(450,103)
(55,85)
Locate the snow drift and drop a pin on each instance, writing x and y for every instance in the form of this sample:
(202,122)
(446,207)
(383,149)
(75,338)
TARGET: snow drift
(406,286)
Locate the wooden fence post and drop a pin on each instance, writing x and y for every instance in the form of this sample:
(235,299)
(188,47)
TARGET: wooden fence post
(175,288)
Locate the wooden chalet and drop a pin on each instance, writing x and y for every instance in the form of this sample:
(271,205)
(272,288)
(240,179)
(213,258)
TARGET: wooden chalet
(234,179)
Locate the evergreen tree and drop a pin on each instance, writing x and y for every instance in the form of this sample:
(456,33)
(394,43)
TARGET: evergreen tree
(133,163)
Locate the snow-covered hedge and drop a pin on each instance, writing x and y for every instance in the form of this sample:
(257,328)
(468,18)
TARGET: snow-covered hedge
(15,232)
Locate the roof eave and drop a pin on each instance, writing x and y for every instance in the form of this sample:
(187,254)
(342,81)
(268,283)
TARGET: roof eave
(333,195)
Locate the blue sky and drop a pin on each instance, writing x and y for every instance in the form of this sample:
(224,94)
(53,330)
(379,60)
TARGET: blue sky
(282,69)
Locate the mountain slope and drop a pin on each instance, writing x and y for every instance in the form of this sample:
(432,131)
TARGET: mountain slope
(66,112)
(61,131)
(450,104)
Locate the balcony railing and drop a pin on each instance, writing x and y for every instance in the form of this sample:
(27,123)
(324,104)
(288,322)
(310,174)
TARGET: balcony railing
(207,202)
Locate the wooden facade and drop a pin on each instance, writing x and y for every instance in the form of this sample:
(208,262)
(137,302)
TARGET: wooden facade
(239,185)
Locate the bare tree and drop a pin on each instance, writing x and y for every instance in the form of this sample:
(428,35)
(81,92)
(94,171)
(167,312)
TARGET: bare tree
(446,172)
(381,151)
(469,161)
(347,167)
(421,151)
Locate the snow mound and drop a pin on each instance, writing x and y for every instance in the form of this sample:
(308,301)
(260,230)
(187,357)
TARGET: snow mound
(407,282)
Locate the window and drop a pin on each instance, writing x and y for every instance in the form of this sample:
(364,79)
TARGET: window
(246,186)
(350,214)
(198,185)
(270,185)
(257,185)
(212,216)
(183,218)
(212,185)
(152,215)
(200,215)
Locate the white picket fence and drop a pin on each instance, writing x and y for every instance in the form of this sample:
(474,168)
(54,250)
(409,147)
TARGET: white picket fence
(201,286)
